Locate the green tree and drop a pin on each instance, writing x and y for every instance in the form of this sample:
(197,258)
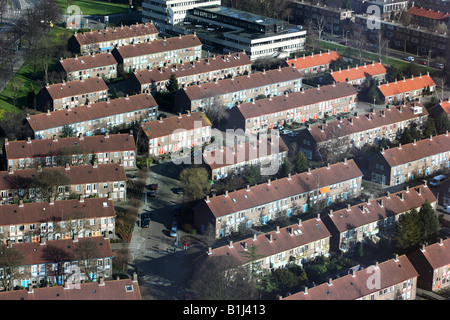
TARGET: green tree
(252,175)
(172,85)
(67,131)
(429,222)
(252,255)
(407,235)
(284,279)
(406,136)
(195,182)
(442,123)
(285,168)
(430,128)
(300,162)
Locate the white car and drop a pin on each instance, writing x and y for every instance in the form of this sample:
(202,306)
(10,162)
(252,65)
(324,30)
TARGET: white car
(286,131)
(446,209)
(409,59)
(437,180)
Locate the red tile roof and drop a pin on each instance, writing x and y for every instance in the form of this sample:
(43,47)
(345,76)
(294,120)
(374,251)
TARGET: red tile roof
(167,126)
(381,208)
(88,62)
(415,151)
(437,254)
(351,287)
(76,87)
(406,85)
(287,238)
(358,72)
(446,106)
(111,34)
(261,194)
(313,60)
(93,111)
(37,212)
(126,289)
(74,145)
(428,13)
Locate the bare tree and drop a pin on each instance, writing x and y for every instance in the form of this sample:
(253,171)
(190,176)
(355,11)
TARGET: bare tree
(359,42)
(319,25)
(10,259)
(87,253)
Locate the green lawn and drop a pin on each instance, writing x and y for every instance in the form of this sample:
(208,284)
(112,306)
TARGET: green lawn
(89,7)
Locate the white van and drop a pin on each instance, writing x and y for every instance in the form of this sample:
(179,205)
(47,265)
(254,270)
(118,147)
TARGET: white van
(437,180)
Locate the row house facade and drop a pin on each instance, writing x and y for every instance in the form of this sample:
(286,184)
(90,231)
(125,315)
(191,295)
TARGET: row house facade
(94,118)
(404,163)
(256,205)
(230,160)
(357,75)
(406,89)
(53,220)
(100,65)
(314,63)
(398,281)
(40,266)
(157,53)
(427,17)
(107,39)
(188,73)
(305,105)
(71,94)
(433,264)
(341,135)
(177,133)
(296,243)
(235,90)
(103,180)
(374,219)
(107,148)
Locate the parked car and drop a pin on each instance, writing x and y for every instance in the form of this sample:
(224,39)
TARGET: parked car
(409,58)
(145,220)
(153,186)
(286,131)
(437,180)
(152,193)
(439,66)
(173,231)
(446,209)
(422,62)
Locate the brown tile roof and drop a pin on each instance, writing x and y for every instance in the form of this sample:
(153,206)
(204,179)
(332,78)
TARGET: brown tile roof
(110,34)
(36,212)
(261,194)
(418,150)
(406,85)
(349,287)
(295,100)
(160,45)
(167,126)
(75,145)
(287,238)
(77,174)
(245,152)
(76,87)
(192,68)
(358,72)
(88,62)
(381,208)
(125,289)
(314,60)
(93,111)
(428,13)
(437,254)
(35,252)
(254,80)
(379,118)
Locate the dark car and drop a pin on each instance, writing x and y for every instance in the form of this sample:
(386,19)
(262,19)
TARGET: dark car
(152,193)
(145,220)
(153,186)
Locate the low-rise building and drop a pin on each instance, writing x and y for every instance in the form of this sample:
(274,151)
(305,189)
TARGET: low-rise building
(296,243)
(429,18)
(374,219)
(334,138)
(397,280)
(107,148)
(442,107)
(188,73)
(63,183)
(432,262)
(54,262)
(302,106)
(230,160)
(109,38)
(178,133)
(38,221)
(71,94)
(357,75)
(94,118)
(406,162)
(230,92)
(158,53)
(313,63)
(101,65)
(406,89)
(256,205)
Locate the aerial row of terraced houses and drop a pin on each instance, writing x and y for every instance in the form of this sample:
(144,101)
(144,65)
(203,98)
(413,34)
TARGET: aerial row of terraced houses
(58,190)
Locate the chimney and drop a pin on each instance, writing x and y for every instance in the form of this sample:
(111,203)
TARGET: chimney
(422,248)
(305,290)
(270,237)
(331,213)
(299,222)
(254,237)
(135,277)
(330,282)
(388,195)
(230,244)
(20,203)
(226,193)
(101,281)
(396,257)
(52,201)
(278,229)
(209,251)
(75,237)
(80,198)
